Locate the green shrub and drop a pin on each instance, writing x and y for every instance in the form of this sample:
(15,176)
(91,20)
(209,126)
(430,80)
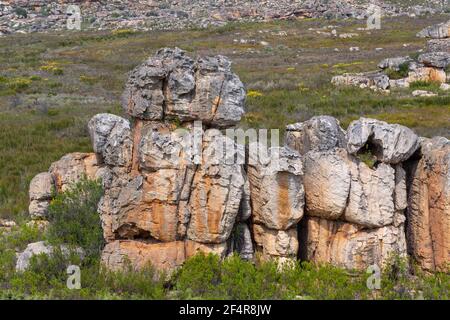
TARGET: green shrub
(74,219)
(199,276)
(401,73)
(366,156)
(21,12)
(46,274)
(206,277)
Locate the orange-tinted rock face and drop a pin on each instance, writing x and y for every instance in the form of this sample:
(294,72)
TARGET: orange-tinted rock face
(165,256)
(276,189)
(170,193)
(349,245)
(72,167)
(428,217)
(276,243)
(427,74)
(215,193)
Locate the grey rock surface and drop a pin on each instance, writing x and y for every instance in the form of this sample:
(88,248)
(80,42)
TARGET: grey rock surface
(172,85)
(435,59)
(111,139)
(319,133)
(438,31)
(390,143)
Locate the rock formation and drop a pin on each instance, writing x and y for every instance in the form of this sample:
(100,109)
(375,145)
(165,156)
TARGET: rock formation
(431,66)
(354,213)
(170,192)
(428,224)
(61,175)
(438,31)
(174,185)
(349,245)
(277,198)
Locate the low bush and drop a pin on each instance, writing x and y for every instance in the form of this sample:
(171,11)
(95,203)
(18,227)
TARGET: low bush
(74,219)
(401,73)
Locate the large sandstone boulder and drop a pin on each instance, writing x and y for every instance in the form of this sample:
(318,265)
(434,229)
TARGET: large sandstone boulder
(327,183)
(427,74)
(276,185)
(163,146)
(41,187)
(63,173)
(172,192)
(371,197)
(32,249)
(216,191)
(390,143)
(71,168)
(349,245)
(318,134)
(428,214)
(162,256)
(173,85)
(111,139)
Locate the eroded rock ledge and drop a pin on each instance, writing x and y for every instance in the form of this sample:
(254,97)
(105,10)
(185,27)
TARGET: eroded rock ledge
(351,198)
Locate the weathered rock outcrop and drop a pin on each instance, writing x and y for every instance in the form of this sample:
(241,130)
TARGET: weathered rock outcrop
(428,215)
(174,185)
(435,59)
(327,183)
(349,245)
(173,85)
(70,169)
(438,31)
(40,192)
(373,80)
(277,198)
(394,63)
(390,143)
(430,66)
(355,213)
(172,191)
(317,134)
(426,74)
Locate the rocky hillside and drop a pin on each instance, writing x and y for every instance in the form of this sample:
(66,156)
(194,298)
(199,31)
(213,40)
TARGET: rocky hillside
(40,15)
(432,66)
(175,185)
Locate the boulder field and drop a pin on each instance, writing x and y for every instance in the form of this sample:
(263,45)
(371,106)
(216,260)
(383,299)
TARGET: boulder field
(175,184)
